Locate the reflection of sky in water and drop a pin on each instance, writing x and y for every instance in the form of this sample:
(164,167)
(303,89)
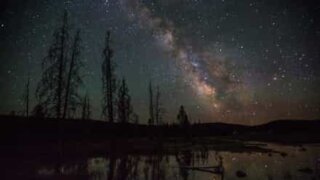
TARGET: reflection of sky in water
(273,166)
(283,165)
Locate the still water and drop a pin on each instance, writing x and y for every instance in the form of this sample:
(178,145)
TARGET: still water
(185,161)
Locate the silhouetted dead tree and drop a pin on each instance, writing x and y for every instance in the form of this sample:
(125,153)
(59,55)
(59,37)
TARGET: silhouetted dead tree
(62,63)
(151,107)
(108,81)
(26,97)
(86,108)
(72,98)
(50,90)
(158,108)
(124,103)
(155,109)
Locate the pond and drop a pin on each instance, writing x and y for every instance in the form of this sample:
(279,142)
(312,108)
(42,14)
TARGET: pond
(201,159)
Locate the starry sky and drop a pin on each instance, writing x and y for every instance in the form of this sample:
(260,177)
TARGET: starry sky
(231,61)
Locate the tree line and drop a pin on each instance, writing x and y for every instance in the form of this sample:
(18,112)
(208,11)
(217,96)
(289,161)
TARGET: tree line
(58,94)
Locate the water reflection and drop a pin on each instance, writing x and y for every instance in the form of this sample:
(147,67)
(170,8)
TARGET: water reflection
(173,162)
(152,167)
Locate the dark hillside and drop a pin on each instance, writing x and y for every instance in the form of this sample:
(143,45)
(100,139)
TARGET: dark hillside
(19,130)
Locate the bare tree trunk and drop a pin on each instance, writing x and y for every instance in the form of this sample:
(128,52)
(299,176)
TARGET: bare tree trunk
(72,64)
(28,96)
(108,80)
(157,106)
(151,107)
(85,108)
(61,67)
(110,94)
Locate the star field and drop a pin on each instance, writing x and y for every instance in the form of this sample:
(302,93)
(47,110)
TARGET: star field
(245,62)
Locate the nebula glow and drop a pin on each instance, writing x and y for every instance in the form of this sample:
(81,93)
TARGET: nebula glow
(202,80)
(248,63)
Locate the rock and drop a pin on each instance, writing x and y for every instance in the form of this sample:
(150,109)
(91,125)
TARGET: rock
(241,174)
(306,170)
(283,154)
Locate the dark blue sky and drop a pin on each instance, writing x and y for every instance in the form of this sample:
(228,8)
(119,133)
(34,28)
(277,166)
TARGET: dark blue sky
(245,62)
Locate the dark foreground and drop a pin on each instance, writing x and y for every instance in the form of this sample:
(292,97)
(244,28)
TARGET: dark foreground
(19,130)
(83,149)
(174,158)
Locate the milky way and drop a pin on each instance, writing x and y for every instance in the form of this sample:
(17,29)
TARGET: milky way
(202,69)
(245,62)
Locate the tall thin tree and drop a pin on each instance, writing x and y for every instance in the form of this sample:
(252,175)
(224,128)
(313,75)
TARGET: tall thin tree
(50,90)
(62,63)
(26,97)
(108,81)
(151,107)
(86,107)
(72,98)
(158,108)
(124,103)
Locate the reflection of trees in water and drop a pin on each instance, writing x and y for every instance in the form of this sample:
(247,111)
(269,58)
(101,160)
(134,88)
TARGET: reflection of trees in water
(187,161)
(127,168)
(158,166)
(115,168)
(184,159)
(112,163)
(201,157)
(97,168)
(123,168)
(155,167)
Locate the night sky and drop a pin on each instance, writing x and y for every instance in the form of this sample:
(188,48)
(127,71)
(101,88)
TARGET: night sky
(231,61)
